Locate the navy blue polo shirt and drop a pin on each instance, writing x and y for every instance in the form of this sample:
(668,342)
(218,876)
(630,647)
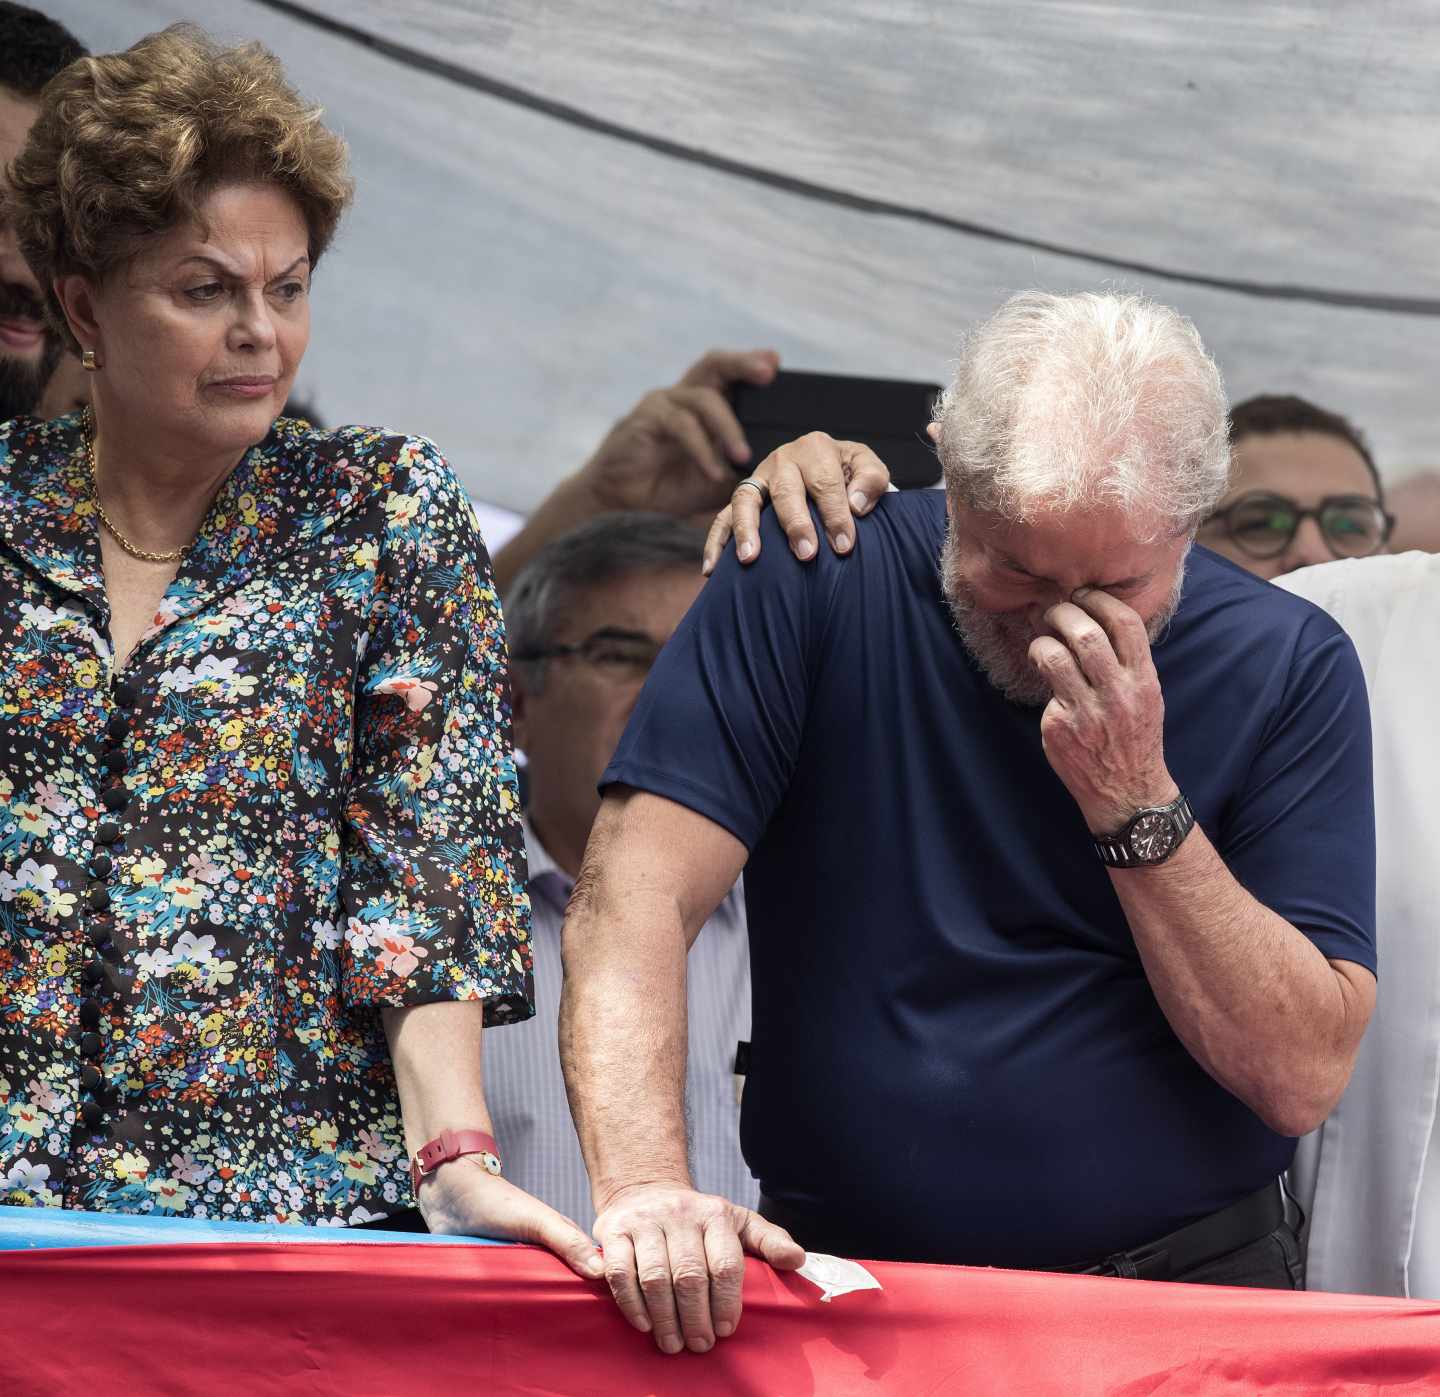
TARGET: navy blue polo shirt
(956,1055)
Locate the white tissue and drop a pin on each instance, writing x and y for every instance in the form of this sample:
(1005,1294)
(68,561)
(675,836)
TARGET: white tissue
(834,1275)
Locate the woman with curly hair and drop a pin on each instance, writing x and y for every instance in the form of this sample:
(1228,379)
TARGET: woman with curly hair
(261,878)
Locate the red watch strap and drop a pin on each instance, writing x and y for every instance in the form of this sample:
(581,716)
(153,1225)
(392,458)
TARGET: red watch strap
(451,1144)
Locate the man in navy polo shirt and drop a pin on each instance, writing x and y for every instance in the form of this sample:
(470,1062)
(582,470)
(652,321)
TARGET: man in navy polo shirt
(1061,886)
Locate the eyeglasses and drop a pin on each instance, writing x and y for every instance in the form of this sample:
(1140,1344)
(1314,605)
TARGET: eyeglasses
(619,655)
(1262,525)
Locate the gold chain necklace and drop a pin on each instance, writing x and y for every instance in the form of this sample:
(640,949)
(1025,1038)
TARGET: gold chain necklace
(174,556)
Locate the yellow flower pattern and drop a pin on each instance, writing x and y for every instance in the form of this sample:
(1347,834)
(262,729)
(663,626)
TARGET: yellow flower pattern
(294,807)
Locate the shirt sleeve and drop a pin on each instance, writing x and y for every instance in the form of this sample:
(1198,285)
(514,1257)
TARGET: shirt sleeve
(1300,837)
(433,878)
(719,724)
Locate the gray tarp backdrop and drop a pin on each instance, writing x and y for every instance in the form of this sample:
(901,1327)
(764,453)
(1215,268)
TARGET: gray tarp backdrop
(572,201)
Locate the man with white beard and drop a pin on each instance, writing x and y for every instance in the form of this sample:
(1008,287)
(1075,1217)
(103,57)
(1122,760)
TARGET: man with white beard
(1061,928)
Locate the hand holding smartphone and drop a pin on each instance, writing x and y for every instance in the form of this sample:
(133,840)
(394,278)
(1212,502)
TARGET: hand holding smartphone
(888,415)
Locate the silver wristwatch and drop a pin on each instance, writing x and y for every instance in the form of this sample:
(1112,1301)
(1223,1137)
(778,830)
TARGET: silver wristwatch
(1148,837)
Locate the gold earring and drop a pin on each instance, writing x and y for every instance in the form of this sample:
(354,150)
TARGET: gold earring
(89,361)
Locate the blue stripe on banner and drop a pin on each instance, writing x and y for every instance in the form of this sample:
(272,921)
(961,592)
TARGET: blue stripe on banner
(25,1228)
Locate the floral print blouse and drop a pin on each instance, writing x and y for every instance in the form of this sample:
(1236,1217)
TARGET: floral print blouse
(295,805)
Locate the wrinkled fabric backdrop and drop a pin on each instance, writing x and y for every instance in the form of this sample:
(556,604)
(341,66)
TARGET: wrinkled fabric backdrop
(512,277)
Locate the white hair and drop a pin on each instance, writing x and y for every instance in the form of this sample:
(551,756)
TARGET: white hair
(1063,403)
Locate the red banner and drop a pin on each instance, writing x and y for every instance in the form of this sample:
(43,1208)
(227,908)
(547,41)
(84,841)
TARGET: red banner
(442,1321)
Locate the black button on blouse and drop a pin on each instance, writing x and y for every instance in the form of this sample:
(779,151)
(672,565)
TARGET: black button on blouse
(318,818)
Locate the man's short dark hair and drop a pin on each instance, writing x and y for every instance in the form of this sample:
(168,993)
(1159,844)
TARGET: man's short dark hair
(33,48)
(1271,414)
(600,551)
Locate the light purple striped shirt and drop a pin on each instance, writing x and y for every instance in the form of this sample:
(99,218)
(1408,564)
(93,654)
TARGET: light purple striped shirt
(525,1088)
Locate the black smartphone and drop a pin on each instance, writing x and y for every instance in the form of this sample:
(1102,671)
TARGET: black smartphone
(888,414)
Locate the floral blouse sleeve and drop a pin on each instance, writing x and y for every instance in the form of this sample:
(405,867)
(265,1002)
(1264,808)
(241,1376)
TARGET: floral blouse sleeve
(433,863)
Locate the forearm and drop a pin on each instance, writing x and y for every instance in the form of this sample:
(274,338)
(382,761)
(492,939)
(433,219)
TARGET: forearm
(566,507)
(623,1036)
(1250,996)
(435,1049)
(436,1052)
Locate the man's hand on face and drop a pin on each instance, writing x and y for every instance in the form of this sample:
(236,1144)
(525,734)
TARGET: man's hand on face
(675,1261)
(1103,731)
(677,451)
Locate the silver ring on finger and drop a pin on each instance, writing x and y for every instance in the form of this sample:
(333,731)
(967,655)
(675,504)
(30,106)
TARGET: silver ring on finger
(758,486)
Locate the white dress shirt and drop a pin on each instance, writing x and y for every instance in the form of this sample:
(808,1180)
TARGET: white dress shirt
(1370,1176)
(525,1087)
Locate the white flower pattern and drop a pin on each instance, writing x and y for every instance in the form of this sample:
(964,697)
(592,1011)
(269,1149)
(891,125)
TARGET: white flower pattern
(318,817)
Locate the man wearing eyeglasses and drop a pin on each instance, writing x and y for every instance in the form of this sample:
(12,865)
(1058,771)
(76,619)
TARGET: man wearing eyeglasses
(1305,490)
(586,617)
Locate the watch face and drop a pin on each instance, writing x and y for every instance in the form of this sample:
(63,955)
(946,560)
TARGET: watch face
(1152,837)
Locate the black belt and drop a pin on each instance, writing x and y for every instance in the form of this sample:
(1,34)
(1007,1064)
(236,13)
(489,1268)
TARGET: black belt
(1193,1245)
(1210,1237)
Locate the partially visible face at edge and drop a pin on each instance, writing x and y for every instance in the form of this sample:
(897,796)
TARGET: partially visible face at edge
(24,382)
(570,729)
(1305,467)
(1000,578)
(29,348)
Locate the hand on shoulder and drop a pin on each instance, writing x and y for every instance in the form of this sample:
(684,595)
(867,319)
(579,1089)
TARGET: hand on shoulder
(844,478)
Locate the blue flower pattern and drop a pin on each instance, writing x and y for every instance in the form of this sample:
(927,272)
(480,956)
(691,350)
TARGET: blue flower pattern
(297,805)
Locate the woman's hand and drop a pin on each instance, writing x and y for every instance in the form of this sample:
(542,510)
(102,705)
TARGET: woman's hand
(844,478)
(435,1049)
(463,1198)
